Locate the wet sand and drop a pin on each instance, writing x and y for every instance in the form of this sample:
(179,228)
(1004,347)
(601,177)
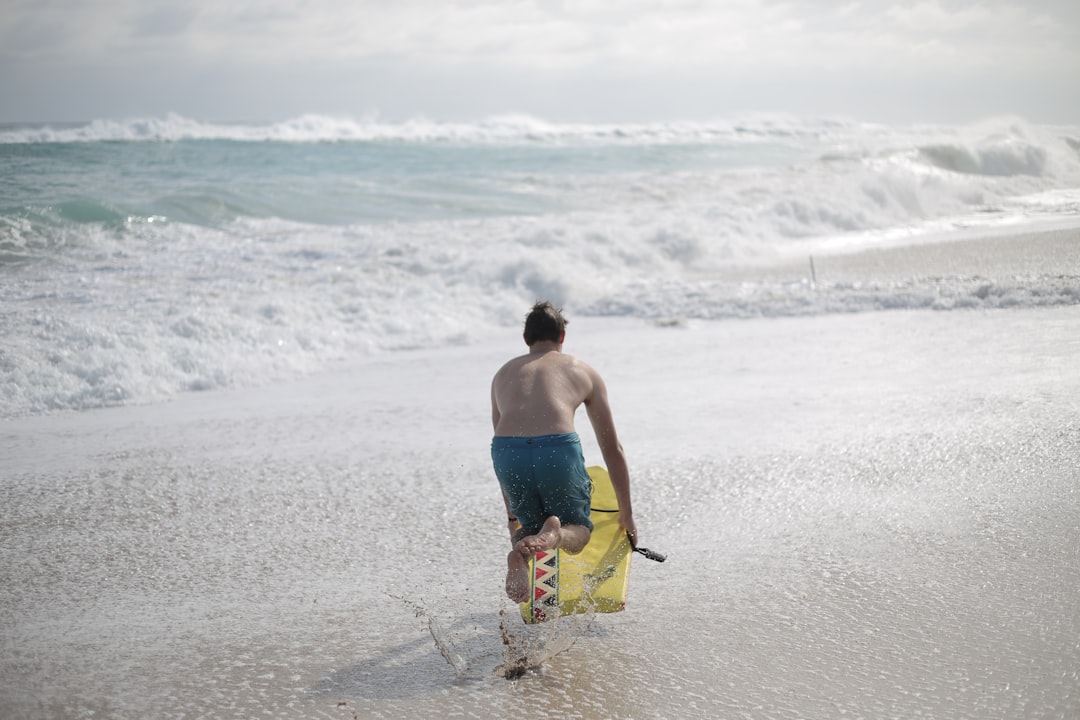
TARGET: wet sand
(866,515)
(1002,255)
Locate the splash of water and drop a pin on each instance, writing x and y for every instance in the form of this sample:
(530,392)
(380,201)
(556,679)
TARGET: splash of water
(524,649)
(527,648)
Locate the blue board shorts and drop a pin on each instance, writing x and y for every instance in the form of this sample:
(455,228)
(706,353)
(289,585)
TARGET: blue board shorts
(543,476)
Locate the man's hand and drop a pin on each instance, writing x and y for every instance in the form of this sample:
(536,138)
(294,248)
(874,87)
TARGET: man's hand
(626,522)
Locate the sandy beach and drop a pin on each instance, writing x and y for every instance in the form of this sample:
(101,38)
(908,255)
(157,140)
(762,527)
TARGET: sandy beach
(866,515)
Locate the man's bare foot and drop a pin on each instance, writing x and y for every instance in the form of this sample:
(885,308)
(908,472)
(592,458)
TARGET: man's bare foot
(548,537)
(517,577)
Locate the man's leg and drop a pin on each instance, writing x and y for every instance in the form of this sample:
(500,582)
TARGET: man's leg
(517,576)
(571,538)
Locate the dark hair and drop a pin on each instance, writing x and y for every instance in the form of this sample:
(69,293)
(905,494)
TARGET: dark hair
(544,322)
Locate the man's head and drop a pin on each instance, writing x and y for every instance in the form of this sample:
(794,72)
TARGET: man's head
(544,322)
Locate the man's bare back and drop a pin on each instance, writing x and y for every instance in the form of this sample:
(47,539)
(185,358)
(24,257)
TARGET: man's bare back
(539,392)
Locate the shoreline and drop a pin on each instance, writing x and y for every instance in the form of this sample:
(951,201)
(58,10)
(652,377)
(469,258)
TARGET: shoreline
(1004,253)
(1035,267)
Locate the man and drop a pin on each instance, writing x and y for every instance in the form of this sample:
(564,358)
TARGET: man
(537,453)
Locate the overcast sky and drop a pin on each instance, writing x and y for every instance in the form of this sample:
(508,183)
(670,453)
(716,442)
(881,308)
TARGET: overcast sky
(593,60)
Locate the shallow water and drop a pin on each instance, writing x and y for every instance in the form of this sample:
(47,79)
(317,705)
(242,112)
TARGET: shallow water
(894,536)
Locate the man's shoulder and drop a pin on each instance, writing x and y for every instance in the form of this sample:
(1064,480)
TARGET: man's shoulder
(510,366)
(564,362)
(576,362)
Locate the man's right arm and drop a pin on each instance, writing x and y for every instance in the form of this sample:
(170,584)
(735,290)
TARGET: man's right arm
(495,415)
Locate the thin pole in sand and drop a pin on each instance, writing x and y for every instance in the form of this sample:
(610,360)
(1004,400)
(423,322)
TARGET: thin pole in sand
(813,273)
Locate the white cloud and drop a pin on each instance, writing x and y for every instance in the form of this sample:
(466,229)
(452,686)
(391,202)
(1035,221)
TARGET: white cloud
(520,33)
(390,51)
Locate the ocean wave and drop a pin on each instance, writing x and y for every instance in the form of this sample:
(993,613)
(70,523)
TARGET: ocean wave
(1016,148)
(512,128)
(1001,147)
(997,147)
(998,159)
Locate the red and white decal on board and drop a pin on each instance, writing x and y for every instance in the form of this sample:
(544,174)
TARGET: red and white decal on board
(545,585)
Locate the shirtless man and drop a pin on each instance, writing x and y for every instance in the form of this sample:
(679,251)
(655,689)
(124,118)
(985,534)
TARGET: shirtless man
(537,453)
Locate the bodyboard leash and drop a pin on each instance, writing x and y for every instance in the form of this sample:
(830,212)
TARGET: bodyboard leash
(651,554)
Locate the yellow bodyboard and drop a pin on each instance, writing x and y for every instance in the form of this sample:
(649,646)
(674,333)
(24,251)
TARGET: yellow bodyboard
(594,580)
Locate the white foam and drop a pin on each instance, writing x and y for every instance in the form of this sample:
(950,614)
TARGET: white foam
(498,128)
(267,300)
